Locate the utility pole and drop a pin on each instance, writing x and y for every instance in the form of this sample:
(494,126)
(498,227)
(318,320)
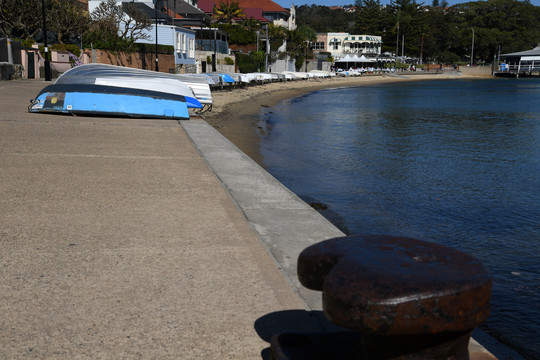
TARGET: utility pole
(397,40)
(472,48)
(267,51)
(47,63)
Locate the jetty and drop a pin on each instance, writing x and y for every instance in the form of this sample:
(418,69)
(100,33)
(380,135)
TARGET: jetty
(520,64)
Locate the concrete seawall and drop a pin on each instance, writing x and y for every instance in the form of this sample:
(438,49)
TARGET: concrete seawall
(482,70)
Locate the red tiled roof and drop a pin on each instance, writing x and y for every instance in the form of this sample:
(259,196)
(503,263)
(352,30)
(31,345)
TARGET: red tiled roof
(256,14)
(265,5)
(206,5)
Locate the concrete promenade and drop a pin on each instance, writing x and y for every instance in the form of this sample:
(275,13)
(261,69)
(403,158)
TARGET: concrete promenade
(151,239)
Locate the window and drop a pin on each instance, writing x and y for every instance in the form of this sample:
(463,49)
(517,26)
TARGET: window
(191,47)
(318,45)
(335,43)
(179,44)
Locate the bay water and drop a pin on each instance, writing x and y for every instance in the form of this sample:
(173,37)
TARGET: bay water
(456,162)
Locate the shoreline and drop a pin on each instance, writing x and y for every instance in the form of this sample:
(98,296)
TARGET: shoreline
(235,113)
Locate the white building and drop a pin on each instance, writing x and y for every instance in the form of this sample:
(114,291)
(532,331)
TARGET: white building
(341,44)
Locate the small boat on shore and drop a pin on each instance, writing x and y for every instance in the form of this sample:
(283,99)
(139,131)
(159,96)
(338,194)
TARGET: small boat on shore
(98,89)
(200,85)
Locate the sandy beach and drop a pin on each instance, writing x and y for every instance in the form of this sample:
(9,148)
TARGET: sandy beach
(235,112)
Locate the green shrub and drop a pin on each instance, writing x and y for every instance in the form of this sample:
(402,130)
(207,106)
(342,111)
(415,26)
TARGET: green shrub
(247,68)
(251,62)
(299,62)
(74,49)
(27,43)
(239,35)
(229,61)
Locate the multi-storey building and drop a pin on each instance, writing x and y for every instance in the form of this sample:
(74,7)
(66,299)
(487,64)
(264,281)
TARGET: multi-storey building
(341,44)
(264,11)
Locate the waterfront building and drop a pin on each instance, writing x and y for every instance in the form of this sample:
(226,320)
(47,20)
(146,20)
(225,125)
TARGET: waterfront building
(342,44)
(343,47)
(520,63)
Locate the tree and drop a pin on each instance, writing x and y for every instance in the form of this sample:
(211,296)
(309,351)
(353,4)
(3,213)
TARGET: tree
(68,19)
(276,35)
(228,11)
(369,19)
(407,18)
(250,24)
(20,18)
(297,40)
(117,27)
(23,19)
(508,24)
(322,19)
(239,34)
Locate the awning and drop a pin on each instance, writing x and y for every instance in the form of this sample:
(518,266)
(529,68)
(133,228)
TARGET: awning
(365,59)
(355,59)
(347,58)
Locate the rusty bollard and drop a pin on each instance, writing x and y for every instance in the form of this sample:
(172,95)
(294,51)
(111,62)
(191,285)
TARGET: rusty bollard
(404,299)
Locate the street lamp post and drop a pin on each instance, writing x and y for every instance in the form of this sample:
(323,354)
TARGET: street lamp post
(156,13)
(46,48)
(214,55)
(307,42)
(472,47)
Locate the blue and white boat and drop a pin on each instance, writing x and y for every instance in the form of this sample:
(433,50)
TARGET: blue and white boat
(99,89)
(200,85)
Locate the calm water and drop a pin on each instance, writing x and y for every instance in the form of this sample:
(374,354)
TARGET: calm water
(454,162)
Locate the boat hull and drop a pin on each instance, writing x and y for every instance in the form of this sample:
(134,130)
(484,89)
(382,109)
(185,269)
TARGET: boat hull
(91,99)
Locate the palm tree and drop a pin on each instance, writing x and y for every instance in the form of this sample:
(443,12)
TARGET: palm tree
(276,35)
(298,40)
(251,24)
(276,31)
(227,11)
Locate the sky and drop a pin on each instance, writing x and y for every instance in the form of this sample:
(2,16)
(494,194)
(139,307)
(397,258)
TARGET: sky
(287,3)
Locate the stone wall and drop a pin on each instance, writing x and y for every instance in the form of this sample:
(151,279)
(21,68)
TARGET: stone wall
(133,60)
(482,70)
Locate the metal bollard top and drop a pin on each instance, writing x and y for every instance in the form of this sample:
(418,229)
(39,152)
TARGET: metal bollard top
(385,285)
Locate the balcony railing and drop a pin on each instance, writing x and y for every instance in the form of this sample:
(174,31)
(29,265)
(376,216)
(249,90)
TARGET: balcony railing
(360,51)
(523,68)
(220,46)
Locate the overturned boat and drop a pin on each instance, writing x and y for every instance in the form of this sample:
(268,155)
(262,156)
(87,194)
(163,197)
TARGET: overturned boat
(200,85)
(99,89)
